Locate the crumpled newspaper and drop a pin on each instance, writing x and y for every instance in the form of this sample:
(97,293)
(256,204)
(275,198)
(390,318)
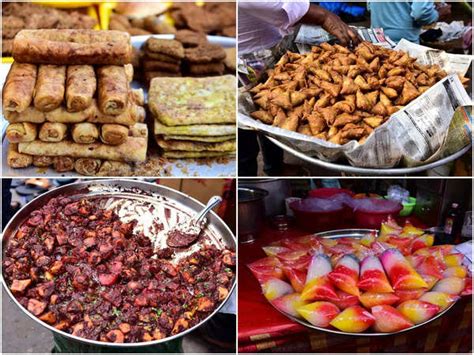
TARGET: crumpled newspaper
(424,131)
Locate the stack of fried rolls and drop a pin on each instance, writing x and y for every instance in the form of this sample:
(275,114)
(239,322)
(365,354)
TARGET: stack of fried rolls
(194,117)
(69,102)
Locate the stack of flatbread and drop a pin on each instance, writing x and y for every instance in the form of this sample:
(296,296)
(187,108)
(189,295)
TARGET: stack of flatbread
(194,117)
(69,103)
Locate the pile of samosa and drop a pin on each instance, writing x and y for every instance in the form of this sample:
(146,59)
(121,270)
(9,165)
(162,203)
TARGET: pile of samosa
(339,95)
(69,103)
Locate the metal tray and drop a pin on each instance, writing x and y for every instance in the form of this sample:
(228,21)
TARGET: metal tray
(357,234)
(216,229)
(345,168)
(177,168)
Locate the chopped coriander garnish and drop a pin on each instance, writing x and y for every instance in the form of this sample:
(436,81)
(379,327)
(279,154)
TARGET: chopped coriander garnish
(199,295)
(116,312)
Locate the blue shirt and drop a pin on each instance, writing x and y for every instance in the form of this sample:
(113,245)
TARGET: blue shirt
(402,19)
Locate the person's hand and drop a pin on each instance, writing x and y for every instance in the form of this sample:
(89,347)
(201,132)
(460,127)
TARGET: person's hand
(444,11)
(338,28)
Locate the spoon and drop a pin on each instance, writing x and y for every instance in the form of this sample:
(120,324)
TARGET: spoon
(184,234)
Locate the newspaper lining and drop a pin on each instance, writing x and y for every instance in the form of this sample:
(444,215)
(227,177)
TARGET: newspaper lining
(422,132)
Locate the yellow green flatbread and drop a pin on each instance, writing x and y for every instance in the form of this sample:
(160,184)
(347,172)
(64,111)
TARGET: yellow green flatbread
(200,138)
(188,146)
(179,154)
(190,101)
(194,130)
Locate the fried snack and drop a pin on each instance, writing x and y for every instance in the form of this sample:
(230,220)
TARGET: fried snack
(207,69)
(230,59)
(133,150)
(87,166)
(113,89)
(19,87)
(205,53)
(81,85)
(339,95)
(17,160)
(52,132)
(138,130)
(42,161)
(63,164)
(161,57)
(205,130)
(72,47)
(167,47)
(214,96)
(138,97)
(200,138)
(50,87)
(31,115)
(178,145)
(21,132)
(113,134)
(129,117)
(114,168)
(177,154)
(84,133)
(61,115)
(156,65)
(190,38)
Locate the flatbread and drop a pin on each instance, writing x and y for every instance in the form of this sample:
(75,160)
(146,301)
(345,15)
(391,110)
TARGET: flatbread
(189,146)
(200,138)
(189,101)
(209,130)
(179,154)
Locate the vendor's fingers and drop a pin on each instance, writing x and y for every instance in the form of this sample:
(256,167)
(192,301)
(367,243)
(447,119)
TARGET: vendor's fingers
(355,38)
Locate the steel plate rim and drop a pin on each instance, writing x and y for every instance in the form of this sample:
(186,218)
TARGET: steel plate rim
(113,182)
(344,232)
(367,171)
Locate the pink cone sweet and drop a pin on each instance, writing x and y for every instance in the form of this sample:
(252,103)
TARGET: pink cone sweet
(431,266)
(274,250)
(423,241)
(418,311)
(388,319)
(456,271)
(266,268)
(401,243)
(468,288)
(401,274)
(317,286)
(372,276)
(346,274)
(354,319)
(450,285)
(372,299)
(410,229)
(405,295)
(319,313)
(345,300)
(289,304)
(368,239)
(274,288)
(430,281)
(298,259)
(296,277)
(454,259)
(441,299)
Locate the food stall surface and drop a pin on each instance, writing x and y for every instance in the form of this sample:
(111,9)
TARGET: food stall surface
(263,328)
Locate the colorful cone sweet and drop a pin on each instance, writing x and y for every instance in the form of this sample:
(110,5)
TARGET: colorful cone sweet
(274,288)
(345,300)
(372,299)
(266,268)
(423,241)
(319,289)
(274,250)
(450,285)
(401,243)
(368,239)
(431,266)
(320,265)
(319,314)
(405,295)
(443,300)
(372,276)
(410,229)
(354,319)
(289,304)
(468,288)
(401,274)
(296,277)
(346,274)
(455,259)
(430,281)
(389,227)
(388,319)
(418,311)
(456,271)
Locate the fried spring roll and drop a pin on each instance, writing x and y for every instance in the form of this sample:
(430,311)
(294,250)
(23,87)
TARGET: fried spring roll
(21,132)
(31,115)
(138,97)
(81,85)
(19,87)
(63,164)
(113,89)
(50,87)
(72,47)
(113,134)
(139,130)
(85,133)
(17,160)
(133,150)
(52,132)
(61,115)
(42,161)
(114,168)
(86,166)
(129,117)
(128,72)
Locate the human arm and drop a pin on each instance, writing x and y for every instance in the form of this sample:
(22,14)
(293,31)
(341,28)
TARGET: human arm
(424,12)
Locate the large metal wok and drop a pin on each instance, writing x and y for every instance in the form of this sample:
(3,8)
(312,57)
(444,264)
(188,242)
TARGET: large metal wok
(150,193)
